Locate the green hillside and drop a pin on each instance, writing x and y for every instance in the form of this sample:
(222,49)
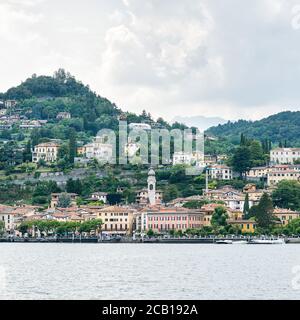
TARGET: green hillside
(43,97)
(283,127)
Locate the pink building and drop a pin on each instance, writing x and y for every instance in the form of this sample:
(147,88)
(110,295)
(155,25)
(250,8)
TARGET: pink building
(165,219)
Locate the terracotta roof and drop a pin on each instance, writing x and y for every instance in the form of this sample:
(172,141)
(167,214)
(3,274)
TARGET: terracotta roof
(285,211)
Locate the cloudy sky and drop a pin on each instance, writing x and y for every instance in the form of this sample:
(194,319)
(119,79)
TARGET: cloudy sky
(229,58)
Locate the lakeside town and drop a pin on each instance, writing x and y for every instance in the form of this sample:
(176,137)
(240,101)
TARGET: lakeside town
(57,178)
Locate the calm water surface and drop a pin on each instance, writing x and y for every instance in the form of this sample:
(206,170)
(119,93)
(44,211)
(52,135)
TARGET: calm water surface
(148,271)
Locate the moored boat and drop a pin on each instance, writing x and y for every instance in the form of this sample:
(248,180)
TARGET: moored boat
(267,241)
(292,240)
(224,242)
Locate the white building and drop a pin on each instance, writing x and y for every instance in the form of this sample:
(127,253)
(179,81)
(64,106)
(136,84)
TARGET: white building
(63,115)
(99,150)
(284,155)
(99,196)
(139,126)
(30,124)
(45,151)
(220,172)
(188,158)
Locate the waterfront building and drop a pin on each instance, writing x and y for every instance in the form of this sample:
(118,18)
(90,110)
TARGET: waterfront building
(116,219)
(247,226)
(45,151)
(165,219)
(7,216)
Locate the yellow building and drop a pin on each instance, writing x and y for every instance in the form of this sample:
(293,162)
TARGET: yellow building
(286,215)
(247,226)
(116,219)
(207,212)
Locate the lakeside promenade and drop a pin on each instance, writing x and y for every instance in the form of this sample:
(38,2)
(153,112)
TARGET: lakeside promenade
(195,240)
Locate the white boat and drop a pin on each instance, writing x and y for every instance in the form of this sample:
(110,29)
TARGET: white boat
(267,241)
(240,242)
(224,242)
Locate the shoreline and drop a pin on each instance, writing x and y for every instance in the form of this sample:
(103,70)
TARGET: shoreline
(152,241)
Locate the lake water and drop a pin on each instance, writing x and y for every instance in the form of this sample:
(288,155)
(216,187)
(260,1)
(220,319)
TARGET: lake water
(149,271)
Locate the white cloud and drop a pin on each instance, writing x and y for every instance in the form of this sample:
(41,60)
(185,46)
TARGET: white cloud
(172,57)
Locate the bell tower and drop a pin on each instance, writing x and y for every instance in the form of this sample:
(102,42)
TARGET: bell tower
(151,187)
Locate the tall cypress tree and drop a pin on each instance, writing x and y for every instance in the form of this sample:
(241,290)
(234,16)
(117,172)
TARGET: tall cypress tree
(246,206)
(72,146)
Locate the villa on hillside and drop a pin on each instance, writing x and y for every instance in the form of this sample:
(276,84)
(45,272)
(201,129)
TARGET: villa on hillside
(46,151)
(99,150)
(284,155)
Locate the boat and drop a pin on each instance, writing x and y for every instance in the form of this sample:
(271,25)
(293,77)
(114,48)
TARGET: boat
(224,242)
(292,240)
(267,241)
(240,242)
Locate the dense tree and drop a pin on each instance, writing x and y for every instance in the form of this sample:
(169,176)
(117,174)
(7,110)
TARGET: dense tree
(27,155)
(219,217)
(114,198)
(268,128)
(263,212)
(64,201)
(293,228)
(10,155)
(170,193)
(74,186)
(287,195)
(241,160)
